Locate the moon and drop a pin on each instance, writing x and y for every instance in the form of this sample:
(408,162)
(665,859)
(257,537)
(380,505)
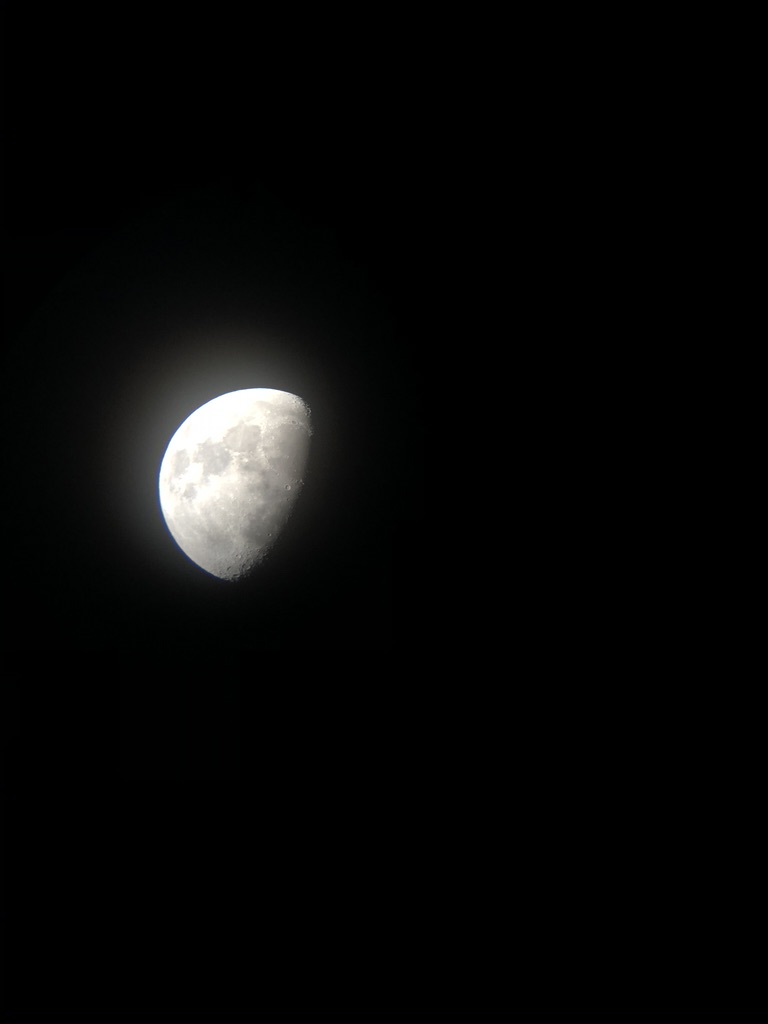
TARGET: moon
(231,475)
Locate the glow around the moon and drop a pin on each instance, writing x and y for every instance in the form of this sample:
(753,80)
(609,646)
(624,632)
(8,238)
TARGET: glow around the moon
(231,475)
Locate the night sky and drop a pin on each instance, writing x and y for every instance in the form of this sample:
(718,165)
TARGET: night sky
(443,755)
(139,288)
(142,280)
(135,301)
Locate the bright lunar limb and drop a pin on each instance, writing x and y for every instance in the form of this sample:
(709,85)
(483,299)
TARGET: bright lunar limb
(231,475)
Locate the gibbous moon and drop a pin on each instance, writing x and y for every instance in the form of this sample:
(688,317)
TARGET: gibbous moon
(231,475)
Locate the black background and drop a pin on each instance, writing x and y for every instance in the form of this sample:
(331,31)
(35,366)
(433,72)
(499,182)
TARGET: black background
(153,263)
(236,792)
(205,283)
(444,756)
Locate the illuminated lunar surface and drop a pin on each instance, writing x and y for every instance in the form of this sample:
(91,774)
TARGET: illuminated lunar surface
(231,475)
